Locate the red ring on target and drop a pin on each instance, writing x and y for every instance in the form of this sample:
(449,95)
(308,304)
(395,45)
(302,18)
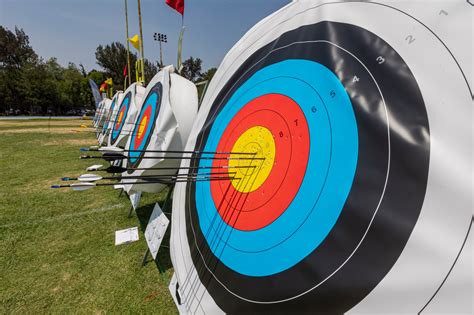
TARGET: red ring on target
(286,121)
(141,132)
(120,117)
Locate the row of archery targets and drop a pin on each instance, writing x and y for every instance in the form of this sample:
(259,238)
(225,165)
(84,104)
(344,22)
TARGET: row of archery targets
(328,169)
(142,133)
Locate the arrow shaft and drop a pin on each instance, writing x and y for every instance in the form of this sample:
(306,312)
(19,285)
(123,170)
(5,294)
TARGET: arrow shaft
(156,176)
(113,169)
(150,182)
(113,158)
(177,152)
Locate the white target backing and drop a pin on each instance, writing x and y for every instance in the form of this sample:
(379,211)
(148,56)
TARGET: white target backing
(385,94)
(168,109)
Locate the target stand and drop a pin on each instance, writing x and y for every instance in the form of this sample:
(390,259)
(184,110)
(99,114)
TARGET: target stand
(166,210)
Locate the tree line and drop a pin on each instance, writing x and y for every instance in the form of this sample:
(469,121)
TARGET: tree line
(31,85)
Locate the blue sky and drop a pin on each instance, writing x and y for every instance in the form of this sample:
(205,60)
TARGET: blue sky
(72,29)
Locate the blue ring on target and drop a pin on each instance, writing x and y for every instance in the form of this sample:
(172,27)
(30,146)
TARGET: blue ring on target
(151,101)
(326,185)
(125,103)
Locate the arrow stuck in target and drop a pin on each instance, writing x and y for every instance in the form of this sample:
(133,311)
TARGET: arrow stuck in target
(112,156)
(94,177)
(87,185)
(116,149)
(120,169)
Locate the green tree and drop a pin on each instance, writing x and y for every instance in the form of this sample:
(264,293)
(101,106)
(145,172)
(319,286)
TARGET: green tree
(150,70)
(192,69)
(208,75)
(113,58)
(15,54)
(97,76)
(42,93)
(15,49)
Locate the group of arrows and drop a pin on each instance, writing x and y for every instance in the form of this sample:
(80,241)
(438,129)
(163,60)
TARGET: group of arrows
(163,168)
(87,181)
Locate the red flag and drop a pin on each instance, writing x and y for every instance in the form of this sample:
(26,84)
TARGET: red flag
(178,5)
(103,87)
(125,71)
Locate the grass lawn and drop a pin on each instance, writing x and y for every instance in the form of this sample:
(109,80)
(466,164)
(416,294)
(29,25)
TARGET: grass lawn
(57,252)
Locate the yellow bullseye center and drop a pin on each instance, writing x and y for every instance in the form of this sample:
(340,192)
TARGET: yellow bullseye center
(141,129)
(120,118)
(251,171)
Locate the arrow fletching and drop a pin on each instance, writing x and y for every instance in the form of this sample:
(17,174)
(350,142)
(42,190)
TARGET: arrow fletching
(94,167)
(89,178)
(82,186)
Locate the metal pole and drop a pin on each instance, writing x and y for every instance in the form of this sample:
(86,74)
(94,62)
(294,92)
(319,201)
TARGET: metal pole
(161,56)
(141,40)
(128,44)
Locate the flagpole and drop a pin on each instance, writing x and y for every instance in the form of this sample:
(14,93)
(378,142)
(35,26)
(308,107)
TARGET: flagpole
(180,45)
(141,40)
(128,44)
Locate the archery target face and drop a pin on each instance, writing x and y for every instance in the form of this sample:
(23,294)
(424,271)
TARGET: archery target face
(120,118)
(103,116)
(105,127)
(144,125)
(337,124)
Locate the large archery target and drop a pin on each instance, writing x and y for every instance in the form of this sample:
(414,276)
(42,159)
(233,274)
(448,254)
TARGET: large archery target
(161,129)
(103,116)
(127,112)
(145,125)
(121,118)
(367,110)
(109,116)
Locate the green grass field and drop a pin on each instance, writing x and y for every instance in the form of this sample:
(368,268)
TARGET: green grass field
(57,252)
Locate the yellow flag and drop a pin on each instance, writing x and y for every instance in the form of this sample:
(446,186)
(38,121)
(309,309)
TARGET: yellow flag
(135,41)
(109,81)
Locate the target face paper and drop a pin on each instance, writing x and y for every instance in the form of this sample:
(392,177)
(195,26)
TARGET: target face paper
(106,104)
(143,130)
(159,127)
(124,123)
(109,122)
(333,177)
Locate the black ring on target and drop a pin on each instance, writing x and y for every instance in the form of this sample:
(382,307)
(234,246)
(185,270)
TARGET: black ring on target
(342,270)
(144,126)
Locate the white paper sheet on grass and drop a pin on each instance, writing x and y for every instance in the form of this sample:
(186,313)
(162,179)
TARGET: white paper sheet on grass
(126,236)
